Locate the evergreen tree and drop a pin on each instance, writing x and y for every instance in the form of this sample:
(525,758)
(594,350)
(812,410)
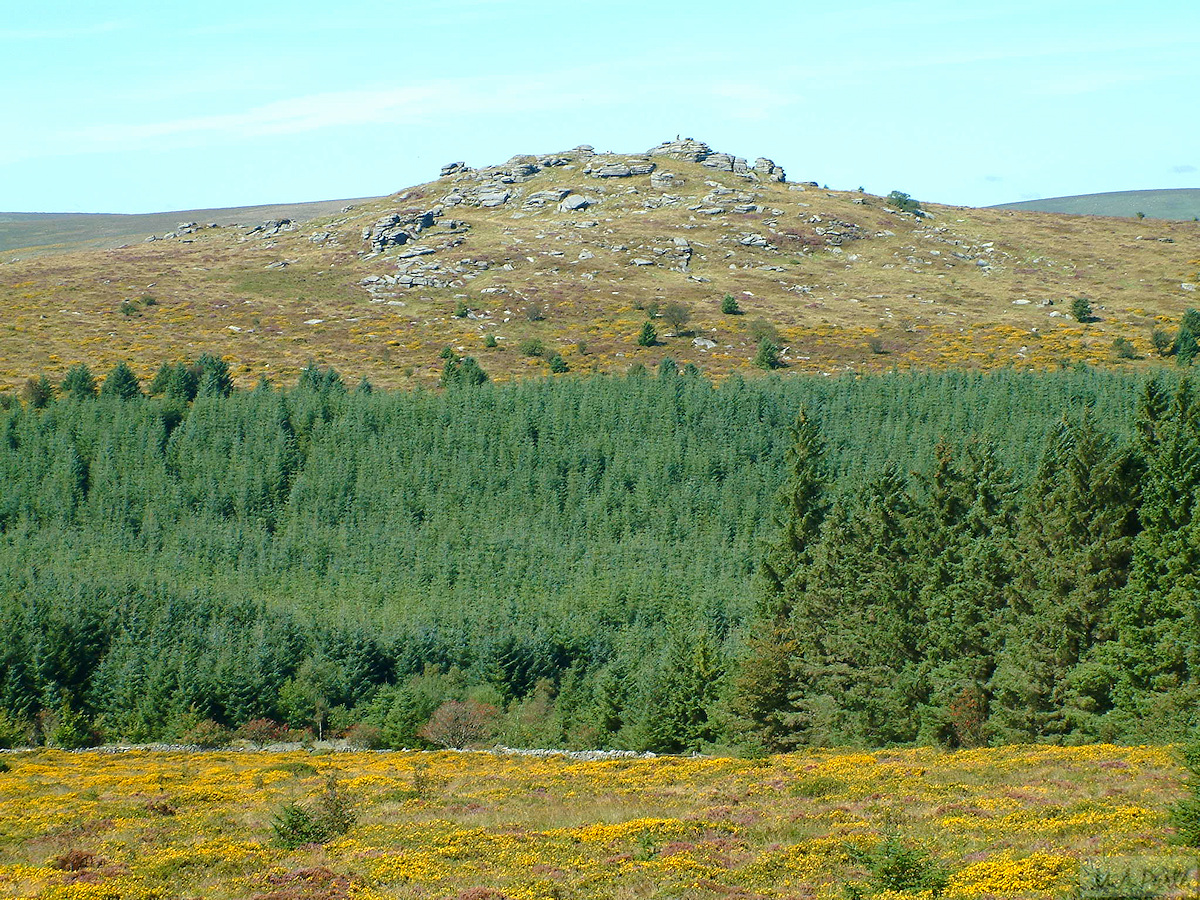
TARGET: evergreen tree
(38,393)
(1155,661)
(121,383)
(801,507)
(859,626)
(214,378)
(1187,340)
(679,711)
(180,381)
(79,384)
(966,548)
(1073,551)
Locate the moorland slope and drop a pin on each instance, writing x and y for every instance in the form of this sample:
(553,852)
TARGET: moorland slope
(572,253)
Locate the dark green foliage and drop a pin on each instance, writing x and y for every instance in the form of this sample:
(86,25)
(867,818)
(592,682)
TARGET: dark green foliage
(901,201)
(966,555)
(1124,348)
(79,383)
(533,347)
(489,341)
(179,382)
(1081,309)
(1154,665)
(898,865)
(1185,814)
(1161,341)
(38,393)
(802,505)
(581,555)
(1187,339)
(461,310)
(215,380)
(121,383)
(682,695)
(330,815)
(767,355)
(557,364)
(1074,546)
(648,337)
(729,306)
(462,372)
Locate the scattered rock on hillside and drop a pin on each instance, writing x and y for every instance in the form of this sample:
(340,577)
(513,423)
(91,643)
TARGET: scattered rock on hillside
(272,227)
(398,228)
(453,168)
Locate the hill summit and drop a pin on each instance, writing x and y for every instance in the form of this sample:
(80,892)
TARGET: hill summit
(583,261)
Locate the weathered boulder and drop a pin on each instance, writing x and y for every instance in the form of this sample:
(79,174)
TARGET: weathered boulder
(610,170)
(663,180)
(768,170)
(398,228)
(685,148)
(453,168)
(720,161)
(539,199)
(574,202)
(492,196)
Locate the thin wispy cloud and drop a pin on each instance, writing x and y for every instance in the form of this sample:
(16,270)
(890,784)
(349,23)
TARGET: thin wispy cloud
(426,104)
(61,33)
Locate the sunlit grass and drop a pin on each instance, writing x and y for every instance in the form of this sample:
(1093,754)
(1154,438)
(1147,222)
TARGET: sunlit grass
(1007,822)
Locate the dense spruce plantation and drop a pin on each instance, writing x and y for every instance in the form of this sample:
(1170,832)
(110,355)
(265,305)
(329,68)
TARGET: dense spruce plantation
(648,562)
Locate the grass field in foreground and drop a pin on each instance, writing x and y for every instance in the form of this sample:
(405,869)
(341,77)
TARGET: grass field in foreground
(1008,822)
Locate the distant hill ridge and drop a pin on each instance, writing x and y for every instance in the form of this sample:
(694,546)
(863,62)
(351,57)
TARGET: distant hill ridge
(1175,203)
(41,233)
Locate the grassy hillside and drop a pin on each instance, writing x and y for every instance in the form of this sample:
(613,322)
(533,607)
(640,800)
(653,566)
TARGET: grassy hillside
(840,281)
(1179,203)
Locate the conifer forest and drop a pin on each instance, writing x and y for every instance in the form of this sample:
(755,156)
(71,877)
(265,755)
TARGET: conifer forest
(647,562)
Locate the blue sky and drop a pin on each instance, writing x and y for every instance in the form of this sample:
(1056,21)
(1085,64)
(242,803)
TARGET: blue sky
(140,107)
